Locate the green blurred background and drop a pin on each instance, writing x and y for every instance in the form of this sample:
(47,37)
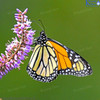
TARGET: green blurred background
(69,22)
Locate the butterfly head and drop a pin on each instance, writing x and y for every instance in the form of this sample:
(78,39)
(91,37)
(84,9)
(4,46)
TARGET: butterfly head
(42,33)
(42,39)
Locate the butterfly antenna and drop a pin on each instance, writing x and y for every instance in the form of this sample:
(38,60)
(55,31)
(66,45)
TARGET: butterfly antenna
(38,24)
(42,24)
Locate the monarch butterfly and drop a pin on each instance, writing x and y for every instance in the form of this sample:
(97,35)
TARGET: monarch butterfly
(50,59)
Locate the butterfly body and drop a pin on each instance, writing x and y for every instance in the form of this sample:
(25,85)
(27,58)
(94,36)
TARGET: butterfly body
(50,59)
(42,39)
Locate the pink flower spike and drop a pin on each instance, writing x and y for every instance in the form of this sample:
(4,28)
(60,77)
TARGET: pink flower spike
(18,48)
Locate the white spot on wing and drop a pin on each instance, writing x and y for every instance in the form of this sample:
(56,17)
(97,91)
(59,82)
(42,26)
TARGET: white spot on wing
(75,60)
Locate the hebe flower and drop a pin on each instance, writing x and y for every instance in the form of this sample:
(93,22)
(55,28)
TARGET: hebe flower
(19,47)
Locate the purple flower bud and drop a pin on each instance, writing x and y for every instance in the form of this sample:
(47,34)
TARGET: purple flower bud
(16,25)
(20,32)
(8,68)
(11,61)
(27,49)
(0,59)
(21,57)
(1,73)
(22,26)
(25,11)
(7,64)
(15,57)
(12,65)
(19,61)
(29,36)
(16,30)
(6,54)
(19,35)
(18,10)
(29,42)
(17,14)
(15,65)
(0,76)
(32,32)
(25,16)
(3,55)
(25,54)
(19,53)
(6,71)
(3,61)
(17,17)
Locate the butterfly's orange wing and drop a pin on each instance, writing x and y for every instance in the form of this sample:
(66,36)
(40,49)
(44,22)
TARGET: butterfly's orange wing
(69,62)
(62,56)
